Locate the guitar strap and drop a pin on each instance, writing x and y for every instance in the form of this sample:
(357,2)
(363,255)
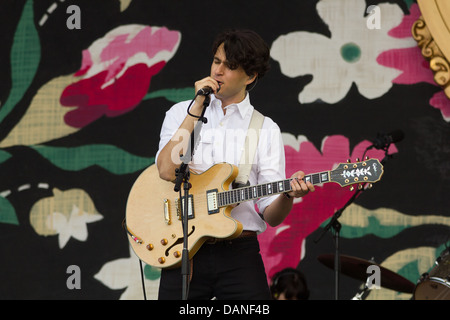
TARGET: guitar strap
(250,145)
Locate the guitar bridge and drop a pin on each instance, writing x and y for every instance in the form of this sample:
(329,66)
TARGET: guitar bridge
(180,207)
(213,203)
(167,218)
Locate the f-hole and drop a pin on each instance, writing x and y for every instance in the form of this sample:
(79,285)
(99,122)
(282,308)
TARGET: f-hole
(179,240)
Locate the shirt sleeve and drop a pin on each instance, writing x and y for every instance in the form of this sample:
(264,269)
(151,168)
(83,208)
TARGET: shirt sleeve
(172,121)
(271,160)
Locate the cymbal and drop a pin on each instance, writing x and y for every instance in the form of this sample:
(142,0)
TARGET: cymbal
(357,269)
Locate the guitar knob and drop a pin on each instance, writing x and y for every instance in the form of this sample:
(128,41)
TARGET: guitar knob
(352,188)
(150,247)
(357,159)
(349,161)
(177,254)
(161,260)
(164,242)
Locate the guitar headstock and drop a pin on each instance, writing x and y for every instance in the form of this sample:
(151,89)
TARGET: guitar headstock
(367,171)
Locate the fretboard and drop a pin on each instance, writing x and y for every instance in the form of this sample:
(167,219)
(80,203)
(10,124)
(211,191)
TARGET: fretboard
(239,195)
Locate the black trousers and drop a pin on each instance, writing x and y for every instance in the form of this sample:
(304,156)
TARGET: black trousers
(225,270)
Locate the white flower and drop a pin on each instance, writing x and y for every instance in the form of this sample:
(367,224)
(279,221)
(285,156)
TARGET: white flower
(65,214)
(75,226)
(125,273)
(348,56)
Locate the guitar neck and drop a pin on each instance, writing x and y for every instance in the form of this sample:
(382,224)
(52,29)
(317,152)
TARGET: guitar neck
(235,196)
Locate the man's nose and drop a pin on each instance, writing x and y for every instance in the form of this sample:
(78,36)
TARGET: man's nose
(219,69)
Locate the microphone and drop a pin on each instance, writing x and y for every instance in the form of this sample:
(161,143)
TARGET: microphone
(206,91)
(384,140)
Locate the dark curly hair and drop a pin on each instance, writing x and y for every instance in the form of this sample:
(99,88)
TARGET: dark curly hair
(292,283)
(246,49)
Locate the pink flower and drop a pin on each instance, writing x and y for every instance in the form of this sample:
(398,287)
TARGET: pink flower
(116,72)
(441,101)
(410,60)
(281,246)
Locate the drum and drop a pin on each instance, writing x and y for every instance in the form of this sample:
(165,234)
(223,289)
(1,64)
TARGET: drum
(435,285)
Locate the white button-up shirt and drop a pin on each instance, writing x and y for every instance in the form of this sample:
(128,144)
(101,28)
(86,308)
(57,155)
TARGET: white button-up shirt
(222,139)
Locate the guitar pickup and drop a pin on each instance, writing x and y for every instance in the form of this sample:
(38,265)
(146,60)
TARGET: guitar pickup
(213,204)
(180,207)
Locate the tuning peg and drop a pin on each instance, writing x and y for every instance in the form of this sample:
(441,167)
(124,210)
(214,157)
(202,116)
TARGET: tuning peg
(357,159)
(360,186)
(369,186)
(349,161)
(366,157)
(352,188)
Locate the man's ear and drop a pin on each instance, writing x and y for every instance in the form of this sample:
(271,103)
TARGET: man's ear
(252,78)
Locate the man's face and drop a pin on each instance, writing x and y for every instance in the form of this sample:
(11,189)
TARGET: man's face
(232,81)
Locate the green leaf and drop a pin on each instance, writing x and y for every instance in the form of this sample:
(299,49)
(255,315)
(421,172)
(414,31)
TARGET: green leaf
(25,57)
(151,273)
(173,95)
(7,212)
(4,156)
(108,157)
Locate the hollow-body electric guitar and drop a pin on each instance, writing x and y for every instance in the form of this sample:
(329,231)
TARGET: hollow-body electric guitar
(154,210)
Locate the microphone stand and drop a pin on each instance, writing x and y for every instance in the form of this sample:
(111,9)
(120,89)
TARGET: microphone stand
(335,225)
(182,176)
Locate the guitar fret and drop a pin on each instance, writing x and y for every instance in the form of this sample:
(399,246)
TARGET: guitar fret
(315,178)
(287,185)
(266,189)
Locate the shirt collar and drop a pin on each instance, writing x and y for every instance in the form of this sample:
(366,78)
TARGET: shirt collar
(244,106)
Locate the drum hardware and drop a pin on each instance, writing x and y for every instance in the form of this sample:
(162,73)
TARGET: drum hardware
(368,286)
(357,268)
(435,284)
(364,292)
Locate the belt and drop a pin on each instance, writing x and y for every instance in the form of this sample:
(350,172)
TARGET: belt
(244,234)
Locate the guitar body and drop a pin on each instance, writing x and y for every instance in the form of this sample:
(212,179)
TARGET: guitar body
(153,217)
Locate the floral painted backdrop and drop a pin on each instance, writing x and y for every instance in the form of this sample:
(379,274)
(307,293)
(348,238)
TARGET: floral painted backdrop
(83,91)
